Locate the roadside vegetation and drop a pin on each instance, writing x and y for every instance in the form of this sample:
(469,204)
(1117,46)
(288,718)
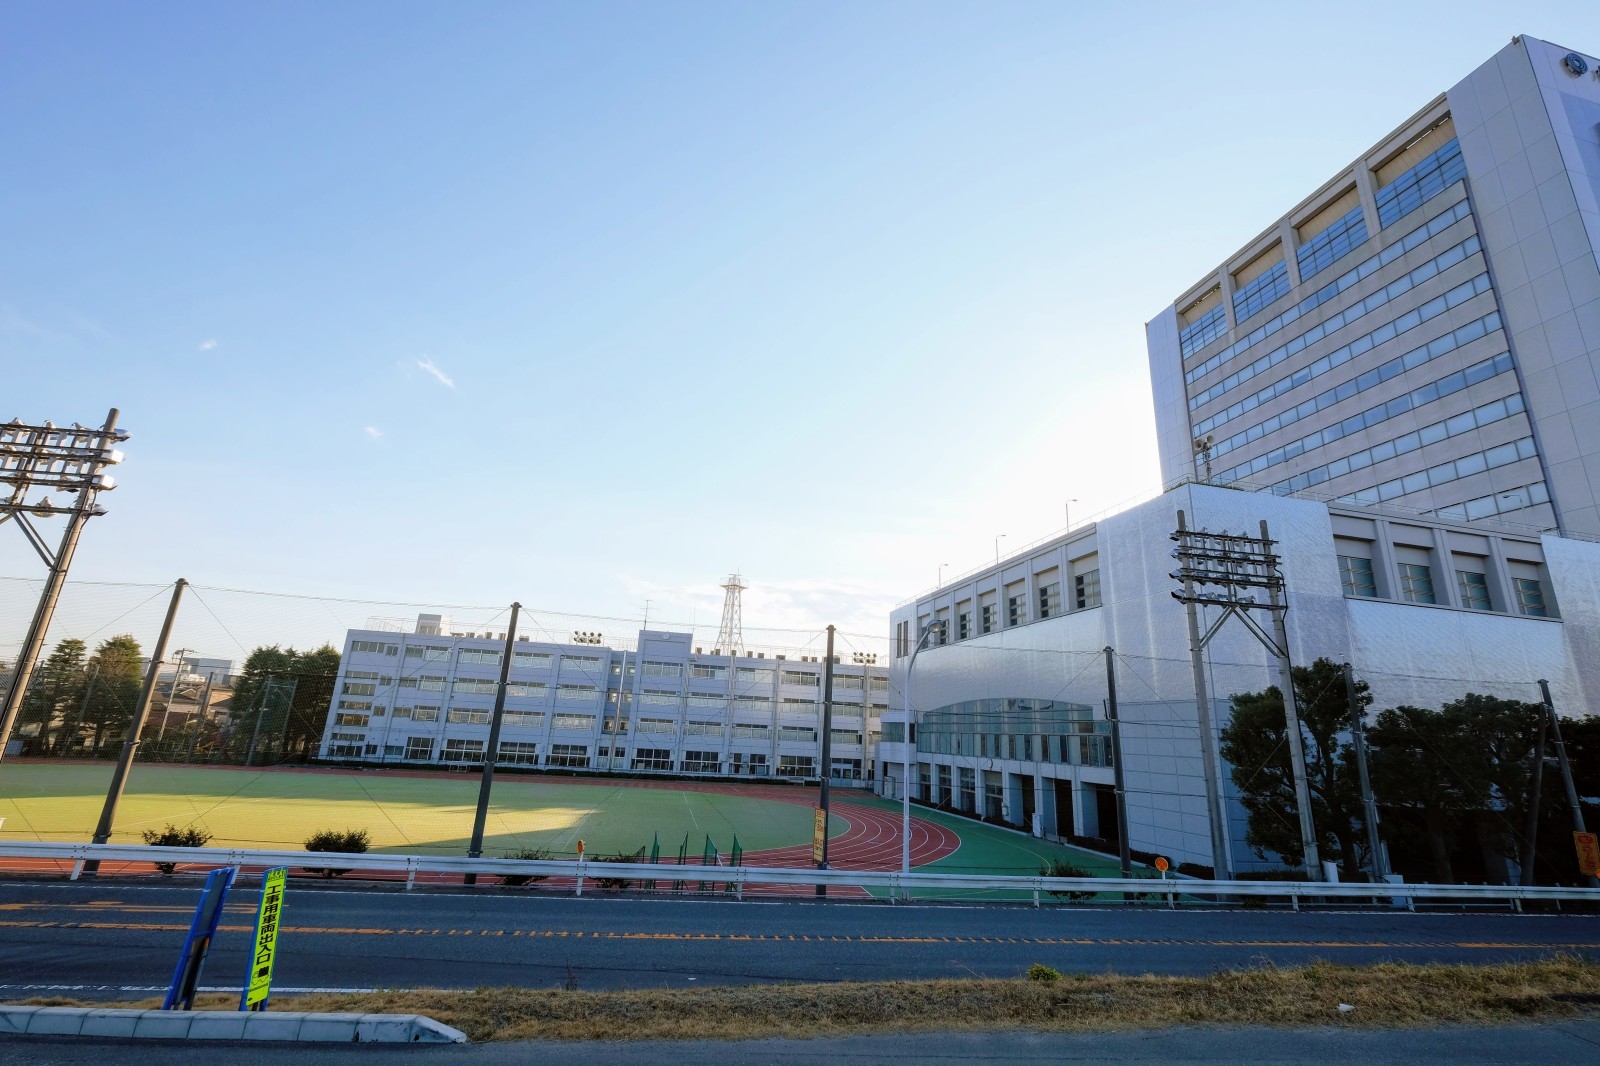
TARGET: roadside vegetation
(1383,996)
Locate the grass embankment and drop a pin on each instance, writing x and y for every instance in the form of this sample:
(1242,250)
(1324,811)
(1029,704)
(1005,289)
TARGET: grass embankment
(1383,996)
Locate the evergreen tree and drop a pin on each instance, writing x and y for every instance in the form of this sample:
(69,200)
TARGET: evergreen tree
(53,694)
(1255,742)
(109,705)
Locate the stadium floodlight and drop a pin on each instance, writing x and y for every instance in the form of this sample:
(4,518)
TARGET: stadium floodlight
(36,460)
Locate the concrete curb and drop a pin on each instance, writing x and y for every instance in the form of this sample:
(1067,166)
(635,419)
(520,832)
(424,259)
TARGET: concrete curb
(226,1025)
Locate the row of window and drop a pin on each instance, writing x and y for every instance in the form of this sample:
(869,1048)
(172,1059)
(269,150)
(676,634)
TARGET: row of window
(1332,244)
(1430,177)
(1455,254)
(1434,349)
(1448,385)
(1253,298)
(1497,503)
(1362,270)
(1443,473)
(1203,330)
(1086,594)
(1416,586)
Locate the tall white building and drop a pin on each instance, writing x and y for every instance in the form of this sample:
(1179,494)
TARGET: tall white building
(1011,710)
(661,705)
(1424,328)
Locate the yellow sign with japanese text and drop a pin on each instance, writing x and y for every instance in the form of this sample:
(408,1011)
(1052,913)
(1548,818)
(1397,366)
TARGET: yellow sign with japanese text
(1588,845)
(819,835)
(259,984)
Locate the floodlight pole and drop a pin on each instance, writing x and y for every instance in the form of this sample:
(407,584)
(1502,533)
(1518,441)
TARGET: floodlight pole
(130,744)
(87,489)
(492,753)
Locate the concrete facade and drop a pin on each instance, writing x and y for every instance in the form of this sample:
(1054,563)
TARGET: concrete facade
(1424,329)
(661,706)
(1477,635)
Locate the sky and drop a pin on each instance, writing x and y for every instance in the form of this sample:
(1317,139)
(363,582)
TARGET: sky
(589,305)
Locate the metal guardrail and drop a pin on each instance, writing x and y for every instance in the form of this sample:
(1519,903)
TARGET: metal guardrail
(898,885)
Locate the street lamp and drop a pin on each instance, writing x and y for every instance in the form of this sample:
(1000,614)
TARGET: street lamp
(998,538)
(940,582)
(1067,507)
(909,748)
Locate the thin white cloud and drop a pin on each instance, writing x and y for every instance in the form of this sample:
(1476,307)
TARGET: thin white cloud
(209,345)
(444,379)
(373,431)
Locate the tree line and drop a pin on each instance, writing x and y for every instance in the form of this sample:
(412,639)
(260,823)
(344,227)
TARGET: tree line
(82,704)
(1454,786)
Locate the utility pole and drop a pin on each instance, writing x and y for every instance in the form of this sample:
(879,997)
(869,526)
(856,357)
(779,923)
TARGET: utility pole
(1291,714)
(1566,769)
(70,461)
(1369,806)
(1221,860)
(1530,850)
(827,748)
(475,850)
(130,745)
(172,694)
(1124,852)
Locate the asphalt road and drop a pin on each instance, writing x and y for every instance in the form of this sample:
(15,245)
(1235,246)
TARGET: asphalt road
(1554,1042)
(112,939)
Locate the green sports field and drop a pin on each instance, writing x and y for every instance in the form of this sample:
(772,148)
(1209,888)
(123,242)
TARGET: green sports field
(423,814)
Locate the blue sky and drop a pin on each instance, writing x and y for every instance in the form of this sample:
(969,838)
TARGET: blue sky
(584,304)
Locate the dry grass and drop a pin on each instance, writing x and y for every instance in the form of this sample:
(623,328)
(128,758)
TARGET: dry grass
(1386,996)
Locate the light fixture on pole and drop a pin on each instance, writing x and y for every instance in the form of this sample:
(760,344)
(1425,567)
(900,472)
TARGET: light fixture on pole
(1067,510)
(939,584)
(908,745)
(39,458)
(998,538)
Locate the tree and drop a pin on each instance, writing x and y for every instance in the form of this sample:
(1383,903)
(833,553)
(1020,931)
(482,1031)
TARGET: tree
(109,704)
(53,694)
(1467,763)
(287,693)
(1255,744)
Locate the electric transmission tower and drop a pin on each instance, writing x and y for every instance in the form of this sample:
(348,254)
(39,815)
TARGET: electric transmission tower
(731,637)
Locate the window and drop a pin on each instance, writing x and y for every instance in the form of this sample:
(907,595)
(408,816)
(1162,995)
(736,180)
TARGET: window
(652,759)
(744,731)
(1205,329)
(572,721)
(1416,583)
(1327,247)
(902,640)
(988,619)
(660,699)
(517,753)
(576,692)
(360,675)
(1086,589)
(478,655)
(1421,183)
(425,714)
(1049,599)
(700,762)
(754,704)
(477,686)
(656,725)
(419,747)
(1254,296)
(846,683)
(797,766)
(467,716)
(750,675)
(801,678)
(569,755)
(429,683)
(523,720)
(355,705)
(1530,597)
(715,673)
(359,689)
(797,733)
(702,729)
(1355,573)
(1016,610)
(374,646)
(878,684)
(653,669)
(709,702)
(1474,590)
(531,660)
(456,750)
(525,688)
(350,719)
(963,625)
(844,736)
(428,653)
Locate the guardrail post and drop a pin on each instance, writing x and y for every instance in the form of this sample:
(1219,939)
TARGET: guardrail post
(411,873)
(1294,897)
(1035,899)
(580,875)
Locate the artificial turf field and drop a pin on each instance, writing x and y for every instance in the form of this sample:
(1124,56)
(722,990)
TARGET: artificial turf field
(431,813)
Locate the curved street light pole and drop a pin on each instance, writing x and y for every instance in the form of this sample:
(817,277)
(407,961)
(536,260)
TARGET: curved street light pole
(909,748)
